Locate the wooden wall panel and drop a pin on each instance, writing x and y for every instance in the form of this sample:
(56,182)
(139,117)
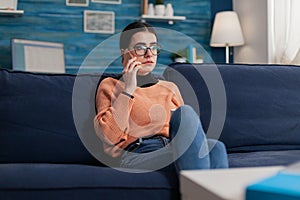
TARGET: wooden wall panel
(52,20)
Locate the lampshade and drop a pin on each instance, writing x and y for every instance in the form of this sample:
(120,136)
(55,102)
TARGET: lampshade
(226,30)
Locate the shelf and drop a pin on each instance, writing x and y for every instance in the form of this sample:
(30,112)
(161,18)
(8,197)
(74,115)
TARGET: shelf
(169,19)
(14,13)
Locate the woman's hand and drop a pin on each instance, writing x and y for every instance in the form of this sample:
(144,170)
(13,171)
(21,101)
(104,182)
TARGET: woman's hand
(131,67)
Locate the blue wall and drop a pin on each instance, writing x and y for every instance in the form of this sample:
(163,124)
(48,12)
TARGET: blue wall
(218,54)
(52,20)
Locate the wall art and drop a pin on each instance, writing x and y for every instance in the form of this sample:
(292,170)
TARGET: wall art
(99,21)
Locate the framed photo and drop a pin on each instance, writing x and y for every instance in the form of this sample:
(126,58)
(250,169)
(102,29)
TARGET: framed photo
(99,21)
(107,1)
(77,2)
(8,4)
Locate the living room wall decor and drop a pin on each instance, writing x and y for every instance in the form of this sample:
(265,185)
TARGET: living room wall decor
(99,21)
(8,4)
(77,2)
(54,21)
(107,1)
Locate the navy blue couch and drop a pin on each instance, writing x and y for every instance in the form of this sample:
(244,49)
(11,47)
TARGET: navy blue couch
(48,149)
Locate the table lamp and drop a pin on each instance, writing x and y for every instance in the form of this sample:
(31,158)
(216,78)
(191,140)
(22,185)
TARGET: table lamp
(226,31)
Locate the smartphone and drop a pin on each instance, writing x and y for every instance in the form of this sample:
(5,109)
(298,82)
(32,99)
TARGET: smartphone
(127,56)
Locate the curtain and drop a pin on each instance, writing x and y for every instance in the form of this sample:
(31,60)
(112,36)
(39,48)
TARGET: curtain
(284,35)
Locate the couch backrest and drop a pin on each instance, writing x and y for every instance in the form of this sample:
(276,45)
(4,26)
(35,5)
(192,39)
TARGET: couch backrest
(37,118)
(262,102)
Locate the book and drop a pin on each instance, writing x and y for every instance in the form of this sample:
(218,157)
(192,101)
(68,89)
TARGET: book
(285,185)
(191,54)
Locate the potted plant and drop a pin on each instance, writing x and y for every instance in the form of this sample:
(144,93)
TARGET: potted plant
(157,2)
(159,7)
(179,56)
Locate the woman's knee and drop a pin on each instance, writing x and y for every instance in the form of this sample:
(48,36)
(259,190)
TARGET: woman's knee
(184,113)
(184,117)
(187,111)
(186,127)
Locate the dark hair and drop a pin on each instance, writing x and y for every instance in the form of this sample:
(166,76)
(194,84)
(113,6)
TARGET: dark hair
(131,29)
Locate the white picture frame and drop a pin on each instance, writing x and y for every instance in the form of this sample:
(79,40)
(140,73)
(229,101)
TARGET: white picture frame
(108,1)
(77,2)
(8,4)
(37,56)
(99,21)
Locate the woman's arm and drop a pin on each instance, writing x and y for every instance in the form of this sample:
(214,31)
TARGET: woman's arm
(113,112)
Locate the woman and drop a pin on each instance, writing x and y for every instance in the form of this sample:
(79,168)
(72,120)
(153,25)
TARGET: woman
(134,114)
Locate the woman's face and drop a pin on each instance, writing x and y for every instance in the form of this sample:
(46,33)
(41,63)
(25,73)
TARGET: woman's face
(140,41)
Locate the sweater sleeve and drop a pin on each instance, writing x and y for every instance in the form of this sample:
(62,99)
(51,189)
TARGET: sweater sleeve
(178,100)
(113,110)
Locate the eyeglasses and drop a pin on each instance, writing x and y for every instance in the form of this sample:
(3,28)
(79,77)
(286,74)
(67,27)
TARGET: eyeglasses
(141,50)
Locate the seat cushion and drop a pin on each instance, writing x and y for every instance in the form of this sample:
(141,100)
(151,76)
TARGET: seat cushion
(263,158)
(71,181)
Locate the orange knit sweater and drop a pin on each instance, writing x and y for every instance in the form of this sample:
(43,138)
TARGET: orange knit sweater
(121,120)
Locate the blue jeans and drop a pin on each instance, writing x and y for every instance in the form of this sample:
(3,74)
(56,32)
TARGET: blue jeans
(186,149)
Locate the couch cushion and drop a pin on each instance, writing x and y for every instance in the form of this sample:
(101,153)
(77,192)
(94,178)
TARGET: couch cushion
(263,158)
(36,121)
(263,103)
(68,181)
